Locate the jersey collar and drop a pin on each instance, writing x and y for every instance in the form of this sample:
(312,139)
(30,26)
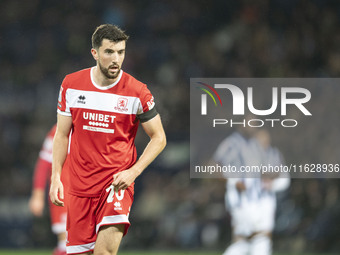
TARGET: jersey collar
(105,87)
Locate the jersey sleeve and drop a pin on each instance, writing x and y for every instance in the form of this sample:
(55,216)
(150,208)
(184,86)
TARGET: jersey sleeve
(63,107)
(44,163)
(146,110)
(226,154)
(280,184)
(41,173)
(223,152)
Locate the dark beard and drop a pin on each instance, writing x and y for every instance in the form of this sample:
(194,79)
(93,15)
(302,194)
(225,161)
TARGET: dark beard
(105,71)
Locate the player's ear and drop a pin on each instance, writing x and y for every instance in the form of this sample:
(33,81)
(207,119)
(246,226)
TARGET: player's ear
(94,53)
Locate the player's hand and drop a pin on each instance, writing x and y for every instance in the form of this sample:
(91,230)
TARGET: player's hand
(36,203)
(240,186)
(56,189)
(124,179)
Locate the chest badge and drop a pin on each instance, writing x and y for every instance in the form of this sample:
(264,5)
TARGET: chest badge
(122,103)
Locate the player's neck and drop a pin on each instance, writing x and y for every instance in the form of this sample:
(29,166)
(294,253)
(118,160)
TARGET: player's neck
(101,79)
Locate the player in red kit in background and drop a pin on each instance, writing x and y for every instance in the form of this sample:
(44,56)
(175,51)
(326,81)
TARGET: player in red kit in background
(42,173)
(102,106)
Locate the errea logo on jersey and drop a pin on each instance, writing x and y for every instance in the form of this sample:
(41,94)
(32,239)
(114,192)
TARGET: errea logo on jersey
(118,206)
(81,99)
(122,103)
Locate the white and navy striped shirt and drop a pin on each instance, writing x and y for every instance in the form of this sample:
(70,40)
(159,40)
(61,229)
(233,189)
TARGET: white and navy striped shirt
(238,151)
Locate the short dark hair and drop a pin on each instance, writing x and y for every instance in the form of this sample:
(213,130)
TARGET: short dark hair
(110,32)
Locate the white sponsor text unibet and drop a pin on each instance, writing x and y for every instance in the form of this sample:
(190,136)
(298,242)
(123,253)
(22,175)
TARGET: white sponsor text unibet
(99,117)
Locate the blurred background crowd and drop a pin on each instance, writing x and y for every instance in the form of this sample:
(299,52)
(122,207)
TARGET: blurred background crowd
(170,42)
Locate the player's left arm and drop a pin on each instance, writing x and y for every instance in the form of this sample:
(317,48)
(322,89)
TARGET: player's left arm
(154,129)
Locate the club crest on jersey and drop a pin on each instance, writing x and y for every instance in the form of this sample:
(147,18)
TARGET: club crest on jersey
(122,104)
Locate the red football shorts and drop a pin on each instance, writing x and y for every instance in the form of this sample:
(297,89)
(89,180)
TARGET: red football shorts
(85,216)
(58,217)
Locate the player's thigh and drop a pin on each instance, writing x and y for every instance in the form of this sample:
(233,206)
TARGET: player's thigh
(81,224)
(114,208)
(261,244)
(108,239)
(238,247)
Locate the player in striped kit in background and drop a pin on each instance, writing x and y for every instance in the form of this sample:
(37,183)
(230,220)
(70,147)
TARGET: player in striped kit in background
(251,201)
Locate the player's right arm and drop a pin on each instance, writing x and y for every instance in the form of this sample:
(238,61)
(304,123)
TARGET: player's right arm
(60,147)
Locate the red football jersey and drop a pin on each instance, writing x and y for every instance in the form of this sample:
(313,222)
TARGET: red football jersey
(105,122)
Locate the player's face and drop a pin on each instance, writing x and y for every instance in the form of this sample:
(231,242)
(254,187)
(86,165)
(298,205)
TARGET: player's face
(110,57)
